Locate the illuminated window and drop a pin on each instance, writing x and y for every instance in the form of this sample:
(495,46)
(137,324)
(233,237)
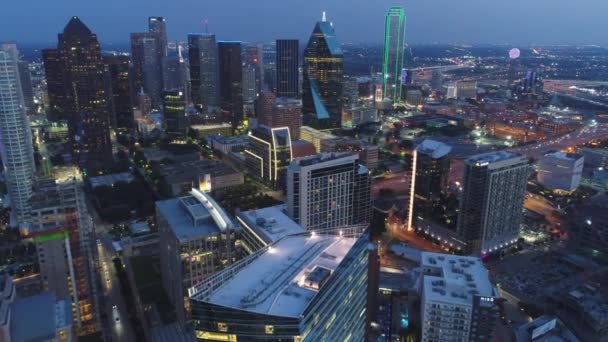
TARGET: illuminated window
(269,329)
(223,327)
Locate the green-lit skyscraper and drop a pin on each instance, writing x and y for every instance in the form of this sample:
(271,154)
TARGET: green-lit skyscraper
(394,44)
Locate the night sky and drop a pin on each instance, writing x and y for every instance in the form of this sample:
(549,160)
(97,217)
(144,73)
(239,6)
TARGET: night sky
(429,21)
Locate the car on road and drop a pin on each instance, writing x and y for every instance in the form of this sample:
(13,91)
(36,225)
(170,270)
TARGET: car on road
(115,314)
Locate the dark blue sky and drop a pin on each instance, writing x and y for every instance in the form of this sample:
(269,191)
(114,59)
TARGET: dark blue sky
(445,21)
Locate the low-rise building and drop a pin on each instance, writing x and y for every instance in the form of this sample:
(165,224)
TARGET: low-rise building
(206,175)
(42,317)
(595,157)
(204,131)
(560,171)
(545,328)
(224,144)
(315,136)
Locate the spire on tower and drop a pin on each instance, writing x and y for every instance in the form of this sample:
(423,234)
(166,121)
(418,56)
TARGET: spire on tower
(323,17)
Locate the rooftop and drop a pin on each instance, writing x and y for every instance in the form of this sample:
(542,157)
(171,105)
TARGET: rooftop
(434,148)
(325,157)
(284,279)
(493,157)
(194,217)
(564,155)
(111,179)
(43,309)
(270,224)
(185,171)
(243,139)
(454,279)
(544,329)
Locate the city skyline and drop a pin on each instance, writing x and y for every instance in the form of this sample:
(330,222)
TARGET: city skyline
(517,22)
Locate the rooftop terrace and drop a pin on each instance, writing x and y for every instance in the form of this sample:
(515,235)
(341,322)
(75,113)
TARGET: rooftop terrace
(270,224)
(283,279)
(454,279)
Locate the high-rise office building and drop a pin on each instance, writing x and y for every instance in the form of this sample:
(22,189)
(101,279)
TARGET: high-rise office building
(231,80)
(431,176)
(174,113)
(120,87)
(323,71)
(26,86)
(491,206)
(177,74)
(15,136)
(268,154)
(158,27)
(148,53)
(280,112)
(304,287)
(288,62)
(252,77)
(394,47)
(560,171)
(198,241)
(458,301)
(85,101)
(55,85)
(62,231)
(204,79)
(466,89)
(269,68)
(328,190)
(250,93)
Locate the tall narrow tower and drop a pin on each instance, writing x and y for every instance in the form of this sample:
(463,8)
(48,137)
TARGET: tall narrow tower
(394,45)
(15,135)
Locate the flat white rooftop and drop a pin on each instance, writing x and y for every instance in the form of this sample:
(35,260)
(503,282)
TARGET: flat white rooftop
(459,278)
(270,224)
(493,157)
(434,148)
(281,281)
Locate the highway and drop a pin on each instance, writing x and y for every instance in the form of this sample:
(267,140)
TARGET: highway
(578,137)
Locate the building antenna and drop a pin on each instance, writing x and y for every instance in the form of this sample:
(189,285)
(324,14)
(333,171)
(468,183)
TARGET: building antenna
(206,23)
(323,17)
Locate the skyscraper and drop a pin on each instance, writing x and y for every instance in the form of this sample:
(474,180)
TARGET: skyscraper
(328,190)
(280,112)
(177,74)
(15,136)
(120,86)
(199,240)
(305,287)
(252,63)
(458,302)
(288,61)
(394,45)
(26,86)
(204,80)
(62,230)
(231,80)
(148,53)
(84,95)
(174,110)
(158,27)
(431,176)
(55,86)
(323,71)
(491,206)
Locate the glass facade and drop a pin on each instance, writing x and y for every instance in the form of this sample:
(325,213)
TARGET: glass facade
(394,45)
